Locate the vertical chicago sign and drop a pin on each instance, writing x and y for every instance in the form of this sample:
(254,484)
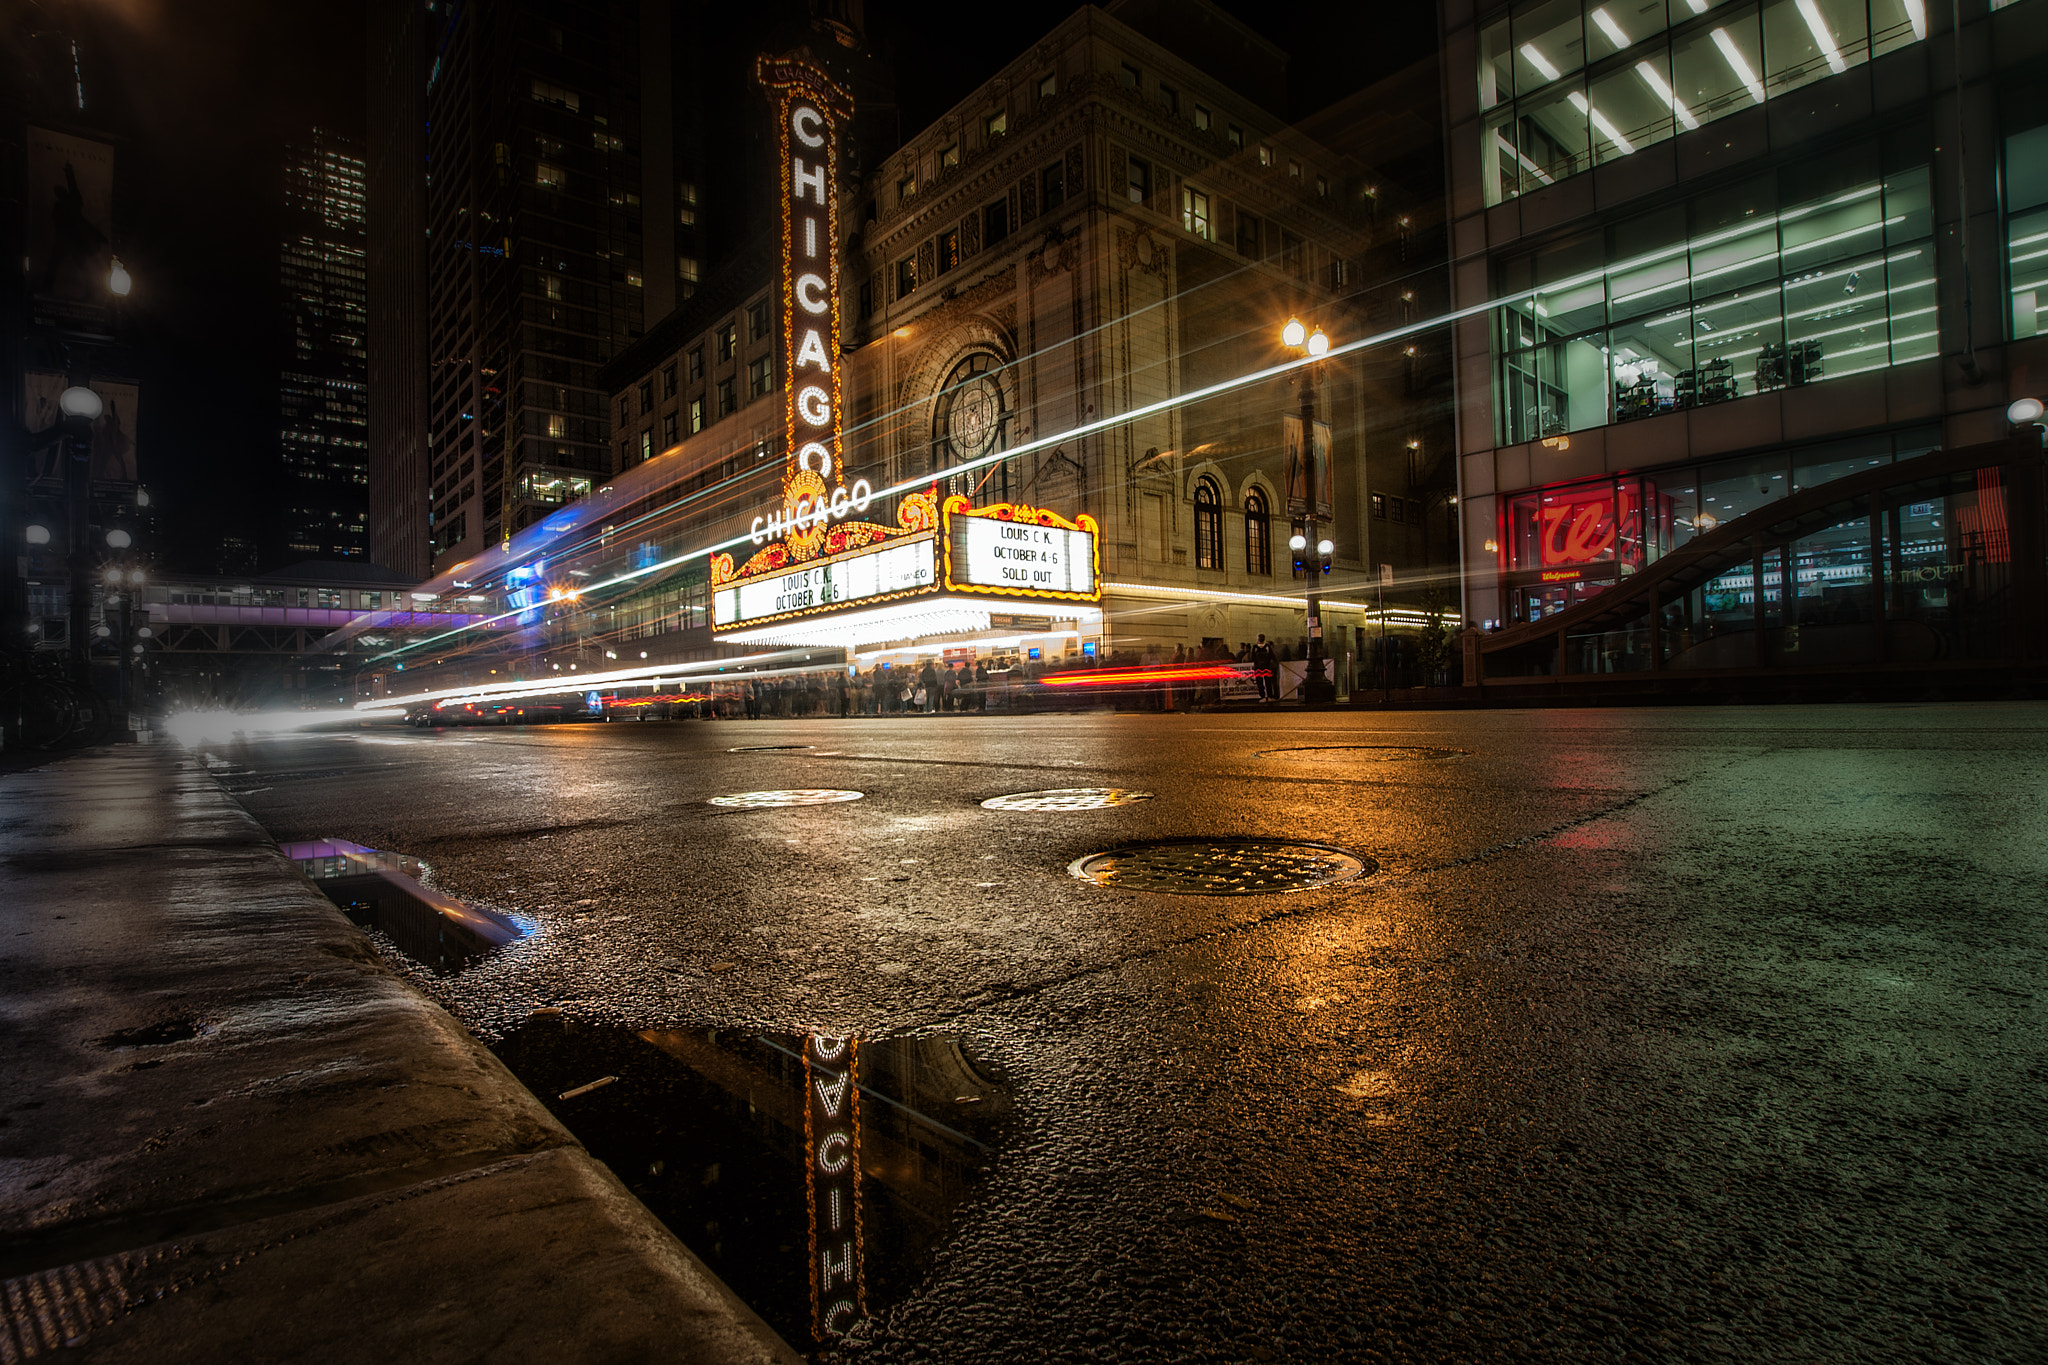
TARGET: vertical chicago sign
(811,112)
(832,1184)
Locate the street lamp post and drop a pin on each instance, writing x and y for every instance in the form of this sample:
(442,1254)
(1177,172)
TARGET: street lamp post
(80,407)
(1314,686)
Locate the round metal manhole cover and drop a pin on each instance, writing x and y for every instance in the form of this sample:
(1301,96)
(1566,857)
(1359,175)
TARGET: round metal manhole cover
(1067,798)
(1221,867)
(767,748)
(1363,753)
(800,796)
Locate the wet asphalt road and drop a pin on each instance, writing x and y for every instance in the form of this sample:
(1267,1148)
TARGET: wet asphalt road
(1655,1035)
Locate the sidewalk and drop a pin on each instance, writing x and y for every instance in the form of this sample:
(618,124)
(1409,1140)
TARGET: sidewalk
(227,1134)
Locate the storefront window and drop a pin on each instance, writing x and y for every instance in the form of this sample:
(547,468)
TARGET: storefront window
(1642,83)
(1772,283)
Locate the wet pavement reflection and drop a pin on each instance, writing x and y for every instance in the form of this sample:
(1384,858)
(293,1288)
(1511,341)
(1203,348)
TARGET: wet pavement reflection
(814,1173)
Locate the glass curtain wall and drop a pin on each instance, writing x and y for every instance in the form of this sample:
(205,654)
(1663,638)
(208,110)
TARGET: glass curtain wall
(1821,270)
(1567,85)
(2026,229)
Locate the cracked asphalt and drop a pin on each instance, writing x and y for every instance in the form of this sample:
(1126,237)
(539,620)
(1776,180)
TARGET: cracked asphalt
(1652,1035)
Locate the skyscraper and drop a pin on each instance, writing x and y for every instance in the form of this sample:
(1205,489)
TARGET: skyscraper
(538,121)
(397,106)
(323,418)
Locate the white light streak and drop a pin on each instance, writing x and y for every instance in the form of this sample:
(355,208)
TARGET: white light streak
(1537,60)
(1810,12)
(197,727)
(1655,80)
(1608,130)
(1739,64)
(582,682)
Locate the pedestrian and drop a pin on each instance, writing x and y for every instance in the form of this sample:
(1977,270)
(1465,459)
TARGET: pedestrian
(928,688)
(1266,664)
(981,685)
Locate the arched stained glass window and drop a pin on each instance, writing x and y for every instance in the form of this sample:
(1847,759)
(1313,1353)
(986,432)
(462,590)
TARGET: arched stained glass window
(1208,524)
(1258,534)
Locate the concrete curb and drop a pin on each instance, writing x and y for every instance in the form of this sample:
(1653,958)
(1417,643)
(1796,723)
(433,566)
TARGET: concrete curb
(228,1133)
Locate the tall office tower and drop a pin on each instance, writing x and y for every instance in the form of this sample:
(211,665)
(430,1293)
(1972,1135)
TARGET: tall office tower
(323,425)
(544,150)
(398,58)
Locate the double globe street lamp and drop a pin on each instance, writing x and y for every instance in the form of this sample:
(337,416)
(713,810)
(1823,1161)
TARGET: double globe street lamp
(1308,508)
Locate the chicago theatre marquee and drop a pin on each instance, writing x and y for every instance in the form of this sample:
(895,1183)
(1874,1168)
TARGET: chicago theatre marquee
(825,567)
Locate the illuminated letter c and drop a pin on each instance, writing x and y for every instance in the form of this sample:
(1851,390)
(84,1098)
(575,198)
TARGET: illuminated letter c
(810,293)
(808,125)
(832,1157)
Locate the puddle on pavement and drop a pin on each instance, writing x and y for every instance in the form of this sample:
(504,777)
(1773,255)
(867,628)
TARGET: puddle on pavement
(815,1175)
(386,892)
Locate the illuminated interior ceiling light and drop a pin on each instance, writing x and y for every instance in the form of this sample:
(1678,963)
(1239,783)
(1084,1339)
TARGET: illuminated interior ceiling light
(1606,129)
(1698,6)
(1536,59)
(1810,12)
(1739,64)
(1655,80)
(1916,15)
(1605,23)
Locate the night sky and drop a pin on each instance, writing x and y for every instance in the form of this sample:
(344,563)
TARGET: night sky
(207,92)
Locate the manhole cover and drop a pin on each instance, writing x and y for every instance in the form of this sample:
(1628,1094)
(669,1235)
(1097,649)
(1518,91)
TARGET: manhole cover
(766,748)
(1067,798)
(1221,867)
(801,796)
(1362,753)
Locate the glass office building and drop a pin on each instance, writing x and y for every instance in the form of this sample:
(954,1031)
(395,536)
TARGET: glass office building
(1716,255)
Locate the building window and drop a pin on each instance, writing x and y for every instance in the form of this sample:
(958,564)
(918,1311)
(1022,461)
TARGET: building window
(1201,118)
(558,427)
(1322,187)
(1822,270)
(760,377)
(668,381)
(1048,86)
(1236,138)
(1258,534)
(696,415)
(995,125)
(727,397)
(696,363)
(634,280)
(864,298)
(906,188)
(686,203)
(995,222)
(1170,97)
(1265,155)
(669,433)
(1052,185)
(551,285)
(1340,273)
(2026,229)
(559,95)
(549,177)
(646,396)
(728,341)
(1379,506)
(1208,524)
(1293,254)
(1139,183)
(757,320)
(1550,115)
(949,250)
(1247,235)
(1129,77)
(949,156)
(625,409)
(906,276)
(1194,213)
(647,443)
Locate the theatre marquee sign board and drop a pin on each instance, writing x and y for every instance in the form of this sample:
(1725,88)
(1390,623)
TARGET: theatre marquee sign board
(1004,553)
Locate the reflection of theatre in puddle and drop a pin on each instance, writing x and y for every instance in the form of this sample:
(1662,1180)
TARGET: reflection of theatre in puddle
(890,1135)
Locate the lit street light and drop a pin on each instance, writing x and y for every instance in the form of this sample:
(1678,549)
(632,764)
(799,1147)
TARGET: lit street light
(1297,337)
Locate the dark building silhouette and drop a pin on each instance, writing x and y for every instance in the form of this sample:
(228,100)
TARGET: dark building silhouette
(323,417)
(396,194)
